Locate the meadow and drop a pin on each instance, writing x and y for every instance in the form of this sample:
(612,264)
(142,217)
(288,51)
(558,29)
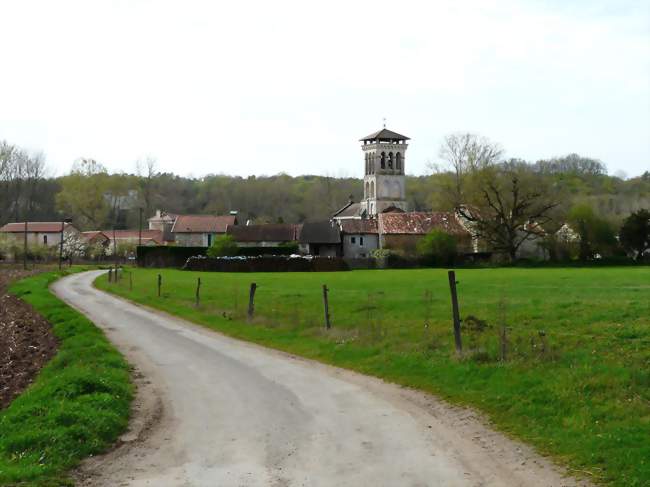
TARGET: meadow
(571,376)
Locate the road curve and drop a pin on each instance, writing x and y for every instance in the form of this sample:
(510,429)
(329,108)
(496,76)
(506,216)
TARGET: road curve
(229,413)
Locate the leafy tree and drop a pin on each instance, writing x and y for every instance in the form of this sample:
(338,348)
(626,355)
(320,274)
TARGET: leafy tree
(508,206)
(83,194)
(596,235)
(223,246)
(438,247)
(635,233)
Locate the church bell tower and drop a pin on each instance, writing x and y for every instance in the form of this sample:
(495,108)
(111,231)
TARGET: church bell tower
(384,180)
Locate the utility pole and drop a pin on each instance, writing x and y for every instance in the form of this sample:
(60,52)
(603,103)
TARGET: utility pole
(140,227)
(114,249)
(65,220)
(25,248)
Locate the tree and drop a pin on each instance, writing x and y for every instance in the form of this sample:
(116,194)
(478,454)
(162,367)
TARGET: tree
(438,247)
(596,235)
(467,153)
(635,233)
(510,206)
(83,194)
(223,246)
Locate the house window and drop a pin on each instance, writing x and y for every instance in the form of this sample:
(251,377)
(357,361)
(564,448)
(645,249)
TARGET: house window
(44,239)
(353,239)
(361,241)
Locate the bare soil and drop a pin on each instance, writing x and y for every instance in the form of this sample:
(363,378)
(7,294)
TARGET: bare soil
(26,339)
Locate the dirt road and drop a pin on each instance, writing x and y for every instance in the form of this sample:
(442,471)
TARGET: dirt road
(213,411)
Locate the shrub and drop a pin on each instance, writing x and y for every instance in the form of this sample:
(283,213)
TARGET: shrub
(635,233)
(223,246)
(437,248)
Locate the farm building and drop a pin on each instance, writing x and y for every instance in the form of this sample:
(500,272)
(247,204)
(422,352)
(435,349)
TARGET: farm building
(269,235)
(321,238)
(200,230)
(401,231)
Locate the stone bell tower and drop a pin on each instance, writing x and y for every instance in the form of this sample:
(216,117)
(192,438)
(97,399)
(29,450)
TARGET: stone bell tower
(384,180)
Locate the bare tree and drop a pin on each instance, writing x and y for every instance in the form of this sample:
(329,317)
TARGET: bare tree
(510,206)
(21,174)
(466,153)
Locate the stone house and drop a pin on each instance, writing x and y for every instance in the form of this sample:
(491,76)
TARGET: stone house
(267,235)
(359,237)
(200,230)
(163,221)
(47,234)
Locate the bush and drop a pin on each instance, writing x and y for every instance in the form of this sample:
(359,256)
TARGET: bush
(437,248)
(223,246)
(166,255)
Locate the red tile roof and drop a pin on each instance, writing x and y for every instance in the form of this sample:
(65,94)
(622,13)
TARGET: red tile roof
(95,234)
(359,226)
(419,223)
(34,227)
(133,235)
(203,223)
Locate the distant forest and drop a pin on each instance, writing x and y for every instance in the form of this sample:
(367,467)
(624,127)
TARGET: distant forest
(96,199)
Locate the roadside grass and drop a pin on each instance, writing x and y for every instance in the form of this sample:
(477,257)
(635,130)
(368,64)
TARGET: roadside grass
(76,407)
(575,382)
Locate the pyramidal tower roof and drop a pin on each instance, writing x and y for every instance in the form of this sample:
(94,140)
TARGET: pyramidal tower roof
(384,135)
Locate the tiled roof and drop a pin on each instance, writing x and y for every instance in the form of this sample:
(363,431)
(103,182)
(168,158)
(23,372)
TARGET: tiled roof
(323,232)
(385,134)
(279,232)
(133,235)
(359,226)
(96,234)
(34,227)
(419,223)
(203,223)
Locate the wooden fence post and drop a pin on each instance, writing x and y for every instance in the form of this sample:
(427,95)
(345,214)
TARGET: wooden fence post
(159,284)
(504,343)
(251,301)
(327,307)
(198,288)
(455,312)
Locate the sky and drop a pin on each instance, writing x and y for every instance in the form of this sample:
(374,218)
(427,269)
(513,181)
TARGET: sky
(263,87)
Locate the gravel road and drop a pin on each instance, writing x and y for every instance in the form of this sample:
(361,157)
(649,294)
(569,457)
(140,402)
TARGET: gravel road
(214,411)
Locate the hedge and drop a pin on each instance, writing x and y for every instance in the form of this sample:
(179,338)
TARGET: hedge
(173,256)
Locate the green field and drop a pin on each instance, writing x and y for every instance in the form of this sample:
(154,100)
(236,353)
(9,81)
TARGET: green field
(77,406)
(575,381)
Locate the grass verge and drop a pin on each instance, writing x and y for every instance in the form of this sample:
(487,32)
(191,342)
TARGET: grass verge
(78,404)
(575,382)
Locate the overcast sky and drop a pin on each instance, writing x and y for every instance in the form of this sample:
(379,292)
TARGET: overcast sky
(261,87)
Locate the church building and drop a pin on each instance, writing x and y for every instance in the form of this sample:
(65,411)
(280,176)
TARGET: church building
(384,181)
(382,218)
